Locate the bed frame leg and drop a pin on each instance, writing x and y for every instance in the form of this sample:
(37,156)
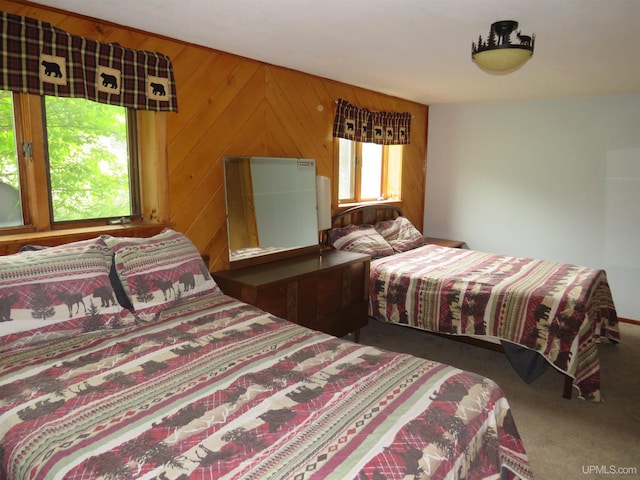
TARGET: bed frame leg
(568,387)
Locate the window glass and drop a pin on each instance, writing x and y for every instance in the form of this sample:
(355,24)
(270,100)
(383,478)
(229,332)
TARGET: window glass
(89,160)
(10,202)
(369,172)
(394,172)
(346,174)
(371,183)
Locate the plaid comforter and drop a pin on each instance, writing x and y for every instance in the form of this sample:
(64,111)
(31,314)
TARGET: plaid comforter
(558,310)
(217,389)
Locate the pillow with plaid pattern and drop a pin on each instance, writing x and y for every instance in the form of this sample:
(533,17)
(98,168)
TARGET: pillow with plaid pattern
(400,233)
(361,239)
(57,291)
(159,271)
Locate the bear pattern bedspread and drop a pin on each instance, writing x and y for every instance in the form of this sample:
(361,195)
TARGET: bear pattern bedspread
(558,310)
(218,389)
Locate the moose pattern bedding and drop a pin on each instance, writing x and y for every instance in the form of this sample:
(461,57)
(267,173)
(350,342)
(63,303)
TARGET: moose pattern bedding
(559,310)
(217,389)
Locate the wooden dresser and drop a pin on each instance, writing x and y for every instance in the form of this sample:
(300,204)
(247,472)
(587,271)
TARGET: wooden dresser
(325,291)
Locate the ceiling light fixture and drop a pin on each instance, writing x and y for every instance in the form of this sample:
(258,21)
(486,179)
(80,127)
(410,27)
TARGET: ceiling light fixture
(497,54)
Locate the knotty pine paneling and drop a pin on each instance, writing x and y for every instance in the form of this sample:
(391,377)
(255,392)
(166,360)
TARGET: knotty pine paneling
(302,108)
(229,105)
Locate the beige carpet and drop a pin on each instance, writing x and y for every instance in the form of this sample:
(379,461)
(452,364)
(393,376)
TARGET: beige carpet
(564,439)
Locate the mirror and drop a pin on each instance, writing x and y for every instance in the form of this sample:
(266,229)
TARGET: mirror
(271,207)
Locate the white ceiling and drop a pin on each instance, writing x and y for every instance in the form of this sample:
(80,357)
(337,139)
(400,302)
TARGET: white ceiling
(414,49)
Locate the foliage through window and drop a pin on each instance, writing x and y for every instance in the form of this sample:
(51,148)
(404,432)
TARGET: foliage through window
(10,203)
(90,161)
(368,172)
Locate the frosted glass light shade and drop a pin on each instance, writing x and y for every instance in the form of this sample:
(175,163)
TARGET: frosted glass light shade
(323,196)
(502,59)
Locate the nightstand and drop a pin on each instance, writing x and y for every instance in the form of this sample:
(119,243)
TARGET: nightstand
(325,291)
(443,242)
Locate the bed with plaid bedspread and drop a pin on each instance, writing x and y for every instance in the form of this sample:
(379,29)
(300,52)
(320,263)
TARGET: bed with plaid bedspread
(217,389)
(558,310)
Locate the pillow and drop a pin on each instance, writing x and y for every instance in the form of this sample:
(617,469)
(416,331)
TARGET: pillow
(121,296)
(57,291)
(361,239)
(401,234)
(159,271)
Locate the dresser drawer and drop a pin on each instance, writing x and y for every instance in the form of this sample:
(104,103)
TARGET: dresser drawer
(344,321)
(326,292)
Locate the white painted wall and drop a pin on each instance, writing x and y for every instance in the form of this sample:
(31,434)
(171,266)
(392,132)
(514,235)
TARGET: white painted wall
(557,179)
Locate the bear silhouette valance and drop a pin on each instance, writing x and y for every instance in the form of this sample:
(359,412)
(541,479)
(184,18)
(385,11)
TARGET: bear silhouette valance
(38,58)
(362,125)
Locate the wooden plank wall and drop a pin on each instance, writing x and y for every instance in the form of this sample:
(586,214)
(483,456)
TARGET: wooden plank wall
(229,105)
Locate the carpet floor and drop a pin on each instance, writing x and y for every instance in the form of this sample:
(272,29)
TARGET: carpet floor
(564,439)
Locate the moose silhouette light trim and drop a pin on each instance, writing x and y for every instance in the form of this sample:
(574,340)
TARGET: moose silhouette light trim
(497,54)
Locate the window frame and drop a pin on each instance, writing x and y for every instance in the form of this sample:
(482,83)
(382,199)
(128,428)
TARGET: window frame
(356,169)
(134,177)
(23,119)
(152,169)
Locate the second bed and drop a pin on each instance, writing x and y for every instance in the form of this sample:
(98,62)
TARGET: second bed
(559,311)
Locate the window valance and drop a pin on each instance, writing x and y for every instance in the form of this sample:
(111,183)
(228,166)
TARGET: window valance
(37,58)
(362,125)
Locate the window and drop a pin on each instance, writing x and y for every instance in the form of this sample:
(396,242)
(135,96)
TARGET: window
(10,202)
(90,162)
(368,171)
